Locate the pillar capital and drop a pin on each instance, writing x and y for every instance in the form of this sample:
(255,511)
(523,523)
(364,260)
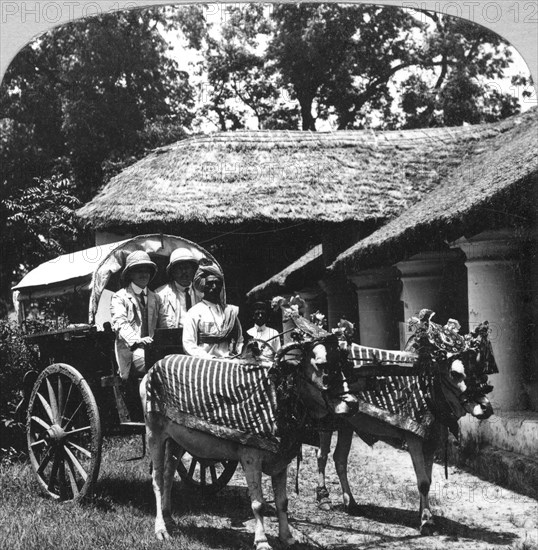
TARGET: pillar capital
(500,245)
(334,283)
(310,293)
(428,264)
(379,278)
(498,292)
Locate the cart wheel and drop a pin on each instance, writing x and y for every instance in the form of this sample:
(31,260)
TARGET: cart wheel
(207,476)
(63,432)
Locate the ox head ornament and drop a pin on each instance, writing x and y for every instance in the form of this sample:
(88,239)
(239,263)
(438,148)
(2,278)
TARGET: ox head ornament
(326,364)
(456,366)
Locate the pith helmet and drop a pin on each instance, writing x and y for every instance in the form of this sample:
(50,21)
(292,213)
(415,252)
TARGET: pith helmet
(136,259)
(181,255)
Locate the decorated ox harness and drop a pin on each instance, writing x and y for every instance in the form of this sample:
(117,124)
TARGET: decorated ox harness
(252,403)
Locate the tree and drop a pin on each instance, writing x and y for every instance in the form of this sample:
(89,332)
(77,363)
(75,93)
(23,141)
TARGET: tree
(77,105)
(38,223)
(340,56)
(92,90)
(460,63)
(357,65)
(238,84)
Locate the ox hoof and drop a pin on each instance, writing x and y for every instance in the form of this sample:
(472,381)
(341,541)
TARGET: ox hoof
(352,509)
(290,542)
(162,535)
(427,525)
(427,529)
(323,498)
(262,545)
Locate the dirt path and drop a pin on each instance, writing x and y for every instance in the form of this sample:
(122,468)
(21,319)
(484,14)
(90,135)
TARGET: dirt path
(470,513)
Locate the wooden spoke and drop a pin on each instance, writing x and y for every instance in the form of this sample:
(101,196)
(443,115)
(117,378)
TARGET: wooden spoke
(76,464)
(54,471)
(213,474)
(62,482)
(68,423)
(211,477)
(61,400)
(53,402)
(45,461)
(193,467)
(66,402)
(78,430)
(67,459)
(46,406)
(42,423)
(72,480)
(79,449)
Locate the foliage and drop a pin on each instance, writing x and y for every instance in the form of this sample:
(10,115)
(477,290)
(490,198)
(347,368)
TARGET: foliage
(354,65)
(38,223)
(78,104)
(460,62)
(16,358)
(90,90)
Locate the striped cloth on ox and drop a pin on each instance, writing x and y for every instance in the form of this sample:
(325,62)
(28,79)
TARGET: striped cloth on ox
(401,401)
(223,397)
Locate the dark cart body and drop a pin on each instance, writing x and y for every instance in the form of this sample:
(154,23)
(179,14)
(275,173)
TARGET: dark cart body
(76,396)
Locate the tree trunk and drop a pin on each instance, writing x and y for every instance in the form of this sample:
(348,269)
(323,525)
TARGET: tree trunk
(308,121)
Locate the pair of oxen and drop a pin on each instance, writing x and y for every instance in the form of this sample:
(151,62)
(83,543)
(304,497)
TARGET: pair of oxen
(319,369)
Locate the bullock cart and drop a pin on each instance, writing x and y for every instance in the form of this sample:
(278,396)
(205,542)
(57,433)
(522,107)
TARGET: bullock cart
(75,397)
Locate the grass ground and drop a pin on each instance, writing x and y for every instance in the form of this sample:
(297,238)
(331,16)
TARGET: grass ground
(471,513)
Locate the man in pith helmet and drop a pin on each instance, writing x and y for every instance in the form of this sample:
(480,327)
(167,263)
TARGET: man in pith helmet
(178,296)
(136,313)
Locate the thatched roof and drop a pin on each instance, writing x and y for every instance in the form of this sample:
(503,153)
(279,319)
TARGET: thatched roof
(494,187)
(284,176)
(307,264)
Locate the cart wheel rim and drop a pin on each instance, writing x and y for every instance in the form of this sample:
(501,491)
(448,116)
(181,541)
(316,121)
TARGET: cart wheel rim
(63,433)
(207,476)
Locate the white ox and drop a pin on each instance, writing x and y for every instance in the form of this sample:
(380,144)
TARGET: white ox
(313,373)
(473,366)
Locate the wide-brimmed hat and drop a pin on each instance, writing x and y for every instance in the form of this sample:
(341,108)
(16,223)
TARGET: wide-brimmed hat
(136,259)
(181,255)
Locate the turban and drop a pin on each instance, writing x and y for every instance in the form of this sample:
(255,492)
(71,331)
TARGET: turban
(202,273)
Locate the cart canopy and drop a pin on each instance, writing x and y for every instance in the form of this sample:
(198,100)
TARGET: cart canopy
(97,270)
(63,275)
(159,247)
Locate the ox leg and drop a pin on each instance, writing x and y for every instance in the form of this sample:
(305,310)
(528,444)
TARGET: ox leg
(281,502)
(157,452)
(341,453)
(171,458)
(322,454)
(423,473)
(253,475)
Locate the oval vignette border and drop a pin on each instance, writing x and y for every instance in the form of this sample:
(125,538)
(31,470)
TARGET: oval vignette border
(20,21)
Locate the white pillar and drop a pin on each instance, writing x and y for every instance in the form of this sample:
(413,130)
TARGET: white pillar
(377,300)
(496,286)
(436,281)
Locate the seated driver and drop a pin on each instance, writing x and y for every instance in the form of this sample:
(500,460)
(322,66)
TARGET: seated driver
(211,328)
